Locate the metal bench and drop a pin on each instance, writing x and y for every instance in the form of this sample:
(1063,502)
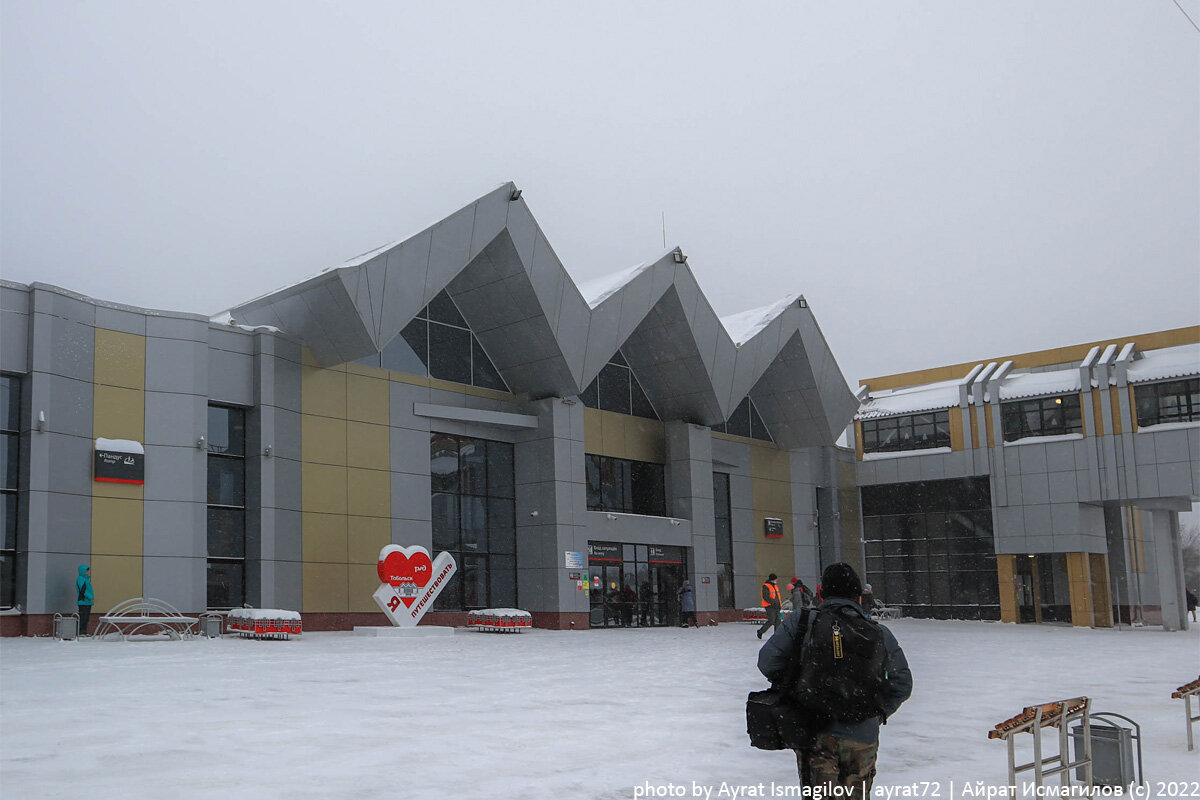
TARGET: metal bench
(141,616)
(885,612)
(1048,715)
(1186,693)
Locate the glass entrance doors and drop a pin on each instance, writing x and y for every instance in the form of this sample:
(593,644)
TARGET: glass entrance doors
(635,585)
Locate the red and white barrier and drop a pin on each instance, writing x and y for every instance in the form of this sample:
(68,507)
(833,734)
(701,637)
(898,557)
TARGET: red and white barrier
(263,623)
(500,620)
(756,615)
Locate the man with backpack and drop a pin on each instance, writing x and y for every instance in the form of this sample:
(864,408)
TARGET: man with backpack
(848,673)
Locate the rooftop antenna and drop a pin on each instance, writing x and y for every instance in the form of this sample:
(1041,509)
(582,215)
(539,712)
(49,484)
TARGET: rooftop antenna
(664,215)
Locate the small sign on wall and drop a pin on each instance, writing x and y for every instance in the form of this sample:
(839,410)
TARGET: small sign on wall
(572,560)
(119,461)
(773,527)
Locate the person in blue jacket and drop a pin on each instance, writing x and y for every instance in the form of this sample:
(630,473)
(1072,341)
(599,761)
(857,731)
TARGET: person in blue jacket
(85,596)
(687,604)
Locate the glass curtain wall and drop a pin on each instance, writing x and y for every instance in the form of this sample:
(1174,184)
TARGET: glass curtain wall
(930,549)
(473,507)
(226,507)
(10,480)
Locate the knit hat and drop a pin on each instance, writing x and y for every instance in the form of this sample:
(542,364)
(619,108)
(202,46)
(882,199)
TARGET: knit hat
(840,580)
(772,576)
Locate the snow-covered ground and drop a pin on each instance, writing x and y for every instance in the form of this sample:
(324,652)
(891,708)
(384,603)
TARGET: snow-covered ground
(536,715)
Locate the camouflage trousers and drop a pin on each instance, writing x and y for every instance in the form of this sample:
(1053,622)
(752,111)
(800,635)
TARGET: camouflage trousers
(834,762)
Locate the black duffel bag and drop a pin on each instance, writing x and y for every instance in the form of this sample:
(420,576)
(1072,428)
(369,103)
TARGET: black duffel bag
(774,721)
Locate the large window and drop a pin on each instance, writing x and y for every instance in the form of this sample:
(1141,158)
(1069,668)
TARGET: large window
(625,487)
(438,343)
(929,548)
(1041,416)
(909,432)
(723,514)
(10,478)
(472,484)
(1172,401)
(616,388)
(745,421)
(226,507)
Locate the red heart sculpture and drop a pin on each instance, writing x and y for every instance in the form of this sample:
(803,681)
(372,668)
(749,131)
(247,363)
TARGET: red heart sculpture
(398,568)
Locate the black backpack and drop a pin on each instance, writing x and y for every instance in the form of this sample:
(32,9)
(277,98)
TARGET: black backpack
(842,667)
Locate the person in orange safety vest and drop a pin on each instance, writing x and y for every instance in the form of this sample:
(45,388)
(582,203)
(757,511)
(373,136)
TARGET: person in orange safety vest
(771,604)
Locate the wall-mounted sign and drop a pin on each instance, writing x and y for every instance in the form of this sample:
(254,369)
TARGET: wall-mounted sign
(666,554)
(411,582)
(119,461)
(706,580)
(604,551)
(773,527)
(573,576)
(573,560)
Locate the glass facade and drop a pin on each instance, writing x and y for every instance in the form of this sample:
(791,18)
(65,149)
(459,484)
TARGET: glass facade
(723,516)
(1041,416)
(1170,401)
(226,507)
(10,485)
(635,585)
(616,389)
(473,507)
(625,487)
(439,344)
(930,550)
(745,421)
(908,432)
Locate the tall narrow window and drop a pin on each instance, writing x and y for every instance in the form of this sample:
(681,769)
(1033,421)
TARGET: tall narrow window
(10,477)
(473,520)
(723,514)
(226,507)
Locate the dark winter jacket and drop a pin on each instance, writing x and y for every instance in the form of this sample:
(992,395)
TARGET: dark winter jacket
(687,598)
(801,597)
(897,686)
(84,593)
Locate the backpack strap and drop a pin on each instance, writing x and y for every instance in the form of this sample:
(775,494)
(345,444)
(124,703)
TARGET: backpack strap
(792,672)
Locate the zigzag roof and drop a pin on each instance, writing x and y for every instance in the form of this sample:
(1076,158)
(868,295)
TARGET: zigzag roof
(550,337)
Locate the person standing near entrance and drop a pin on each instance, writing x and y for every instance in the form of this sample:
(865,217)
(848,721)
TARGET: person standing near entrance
(687,604)
(771,603)
(85,596)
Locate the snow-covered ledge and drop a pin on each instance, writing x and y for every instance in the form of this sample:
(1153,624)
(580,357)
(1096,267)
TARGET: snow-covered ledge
(1062,437)
(1168,426)
(928,451)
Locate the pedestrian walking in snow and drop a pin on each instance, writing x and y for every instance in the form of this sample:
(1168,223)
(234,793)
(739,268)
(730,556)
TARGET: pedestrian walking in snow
(771,604)
(868,598)
(687,604)
(1190,596)
(85,597)
(802,596)
(850,675)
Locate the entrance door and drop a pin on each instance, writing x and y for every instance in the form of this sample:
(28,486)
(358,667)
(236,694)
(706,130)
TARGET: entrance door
(635,586)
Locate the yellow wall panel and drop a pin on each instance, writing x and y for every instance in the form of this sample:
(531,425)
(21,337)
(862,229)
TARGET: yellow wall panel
(323,440)
(1101,597)
(987,424)
(1097,413)
(973,413)
(368,446)
(324,587)
(645,440)
(592,431)
(123,491)
(369,493)
(368,399)
(612,435)
(363,581)
(770,486)
(324,538)
(114,580)
(1080,584)
(367,536)
(1115,400)
(120,359)
(858,440)
(323,488)
(956,432)
(323,392)
(118,413)
(116,526)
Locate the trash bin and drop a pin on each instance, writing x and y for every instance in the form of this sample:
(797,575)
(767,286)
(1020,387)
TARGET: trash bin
(1112,752)
(66,627)
(210,626)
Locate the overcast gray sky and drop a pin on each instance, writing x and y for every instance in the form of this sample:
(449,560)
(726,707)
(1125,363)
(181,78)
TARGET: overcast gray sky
(943,180)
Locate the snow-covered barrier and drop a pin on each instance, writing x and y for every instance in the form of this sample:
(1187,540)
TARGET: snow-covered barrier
(756,615)
(500,620)
(263,623)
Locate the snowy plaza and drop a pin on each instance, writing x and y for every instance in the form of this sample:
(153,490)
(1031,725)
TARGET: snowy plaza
(543,714)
